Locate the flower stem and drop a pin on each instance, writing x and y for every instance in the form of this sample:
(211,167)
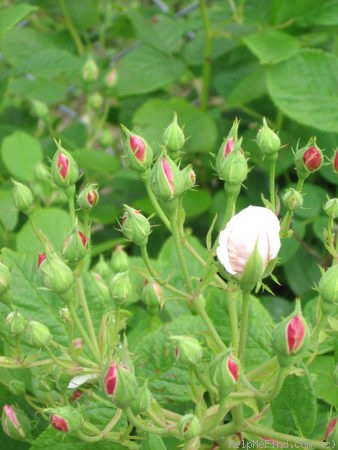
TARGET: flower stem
(207,56)
(156,205)
(71,28)
(232,310)
(272,175)
(140,425)
(244,326)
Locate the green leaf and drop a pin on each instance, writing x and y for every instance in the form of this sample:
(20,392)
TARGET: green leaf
(54,223)
(196,202)
(249,88)
(8,213)
(153,442)
(27,151)
(295,409)
(291,245)
(321,370)
(194,49)
(14,14)
(314,199)
(272,46)
(47,91)
(305,88)
(96,162)
(84,13)
(146,69)
(155,115)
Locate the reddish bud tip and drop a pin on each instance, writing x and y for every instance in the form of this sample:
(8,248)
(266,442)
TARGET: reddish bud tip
(41,258)
(233,368)
(295,333)
(330,428)
(335,161)
(229,146)
(77,394)
(63,165)
(110,379)
(138,147)
(312,158)
(59,423)
(92,197)
(84,240)
(168,173)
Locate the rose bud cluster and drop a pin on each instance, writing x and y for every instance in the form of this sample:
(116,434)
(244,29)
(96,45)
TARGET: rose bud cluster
(328,291)
(224,373)
(66,419)
(15,423)
(64,170)
(56,275)
(88,197)
(120,385)
(137,151)
(290,338)
(268,142)
(188,350)
(173,138)
(308,159)
(135,226)
(249,242)
(22,197)
(119,259)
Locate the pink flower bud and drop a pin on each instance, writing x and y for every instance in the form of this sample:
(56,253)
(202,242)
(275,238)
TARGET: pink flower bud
(137,151)
(295,333)
(167,181)
(110,379)
(120,385)
(229,146)
(88,197)
(77,394)
(64,170)
(331,428)
(66,419)
(335,161)
(233,368)
(41,258)
(169,176)
(15,423)
(63,165)
(59,423)
(138,147)
(312,159)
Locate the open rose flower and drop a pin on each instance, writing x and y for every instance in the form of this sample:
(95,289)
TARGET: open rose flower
(253,230)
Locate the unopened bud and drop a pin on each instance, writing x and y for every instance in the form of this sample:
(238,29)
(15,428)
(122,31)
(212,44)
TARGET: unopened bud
(15,323)
(95,100)
(65,315)
(142,402)
(75,247)
(268,142)
(120,288)
(331,208)
(292,199)
(331,433)
(226,147)
(41,172)
(137,151)
(188,350)
(22,197)
(88,197)
(17,387)
(15,423)
(335,161)
(77,346)
(111,78)
(119,260)
(37,334)
(120,385)
(308,159)
(40,109)
(102,268)
(328,290)
(56,275)
(90,71)
(166,179)
(64,170)
(189,177)
(189,426)
(152,295)
(173,138)
(4,280)
(135,226)
(66,419)
(224,373)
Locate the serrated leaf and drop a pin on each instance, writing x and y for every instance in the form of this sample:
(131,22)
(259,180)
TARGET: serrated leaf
(295,409)
(145,70)
(12,15)
(96,162)
(321,370)
(305,88)
(20,153)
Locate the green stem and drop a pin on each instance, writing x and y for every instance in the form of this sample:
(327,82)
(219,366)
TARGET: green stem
(272,176)
(268,397)
(140,425)
(156,205)
(207,56)
(232,310)
(70,191)
(225,430)
(204,381)
(300,184)
(71,28)
(244,326)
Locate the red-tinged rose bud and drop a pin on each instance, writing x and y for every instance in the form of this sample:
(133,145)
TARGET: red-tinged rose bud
(111,78)
(41,259)
(166,179)
(15,323)
(189,177)
(75,247)
(227,147)
(64,170)
(224,373)
(119,260)
(328,290)
(189,426)
(173,138)
(120,385)
(90,71)
(77,347)
(290,338)
(66,419)
(137,151)
(22,197)
(335,161)
(152,296)
(331,433)
(135,226)
(77,394)
(15,423)
(188,350)
(88,197)
(308,159)
(268,142)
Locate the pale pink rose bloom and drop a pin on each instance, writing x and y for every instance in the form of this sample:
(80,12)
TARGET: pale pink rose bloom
(237,241)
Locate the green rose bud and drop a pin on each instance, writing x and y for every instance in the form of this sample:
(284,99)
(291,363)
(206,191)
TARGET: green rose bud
(189,177)
(4,280)
(119,260)
(328,290)
(189,426)
(120,385)
(37,334)
(40,109)
(173,138)
(331,208)
(66,419)
(88,197)
(56,275)
(292,199)
(22,197)
(142,402)
(15,323)
(95,100)
(234,169)
(226,147)
(102,268)
(90,71)
(290,338)
(75,247)
(224,373)
(308,159)
(137,151)
(64,170)
(17,387)
(15,423)
(65,316)
(135,226)
(268,142)
(151,295)
(120,288)
(166,179)
(188,350)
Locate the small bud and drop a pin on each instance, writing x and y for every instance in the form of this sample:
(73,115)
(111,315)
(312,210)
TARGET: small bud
(17,387)
(111,78)
(189,177)
(308,159)
(331,433)
(268,142)
(41,172)
(226,147)
(40,109)
(152,295)
(65,316)
(106,138)
(120,288)
(335,161)
(56,275)
(137,151)
(90,71)
(135,226)
(189,426)
(22,197)
(15,323)
(102,268)
(173,138)
(66,419)
(88,197)
(75,247)
(166,179)
(328,290)
(77,346)
(224,373)
(120,385)
(290,338)
(95,100)
(64,170)
(142,402)
(292,199)
(103,288)
(77,394)
(331,208)
(188,350)
(37,334)
(119,260)
(15,423)
(4,279)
